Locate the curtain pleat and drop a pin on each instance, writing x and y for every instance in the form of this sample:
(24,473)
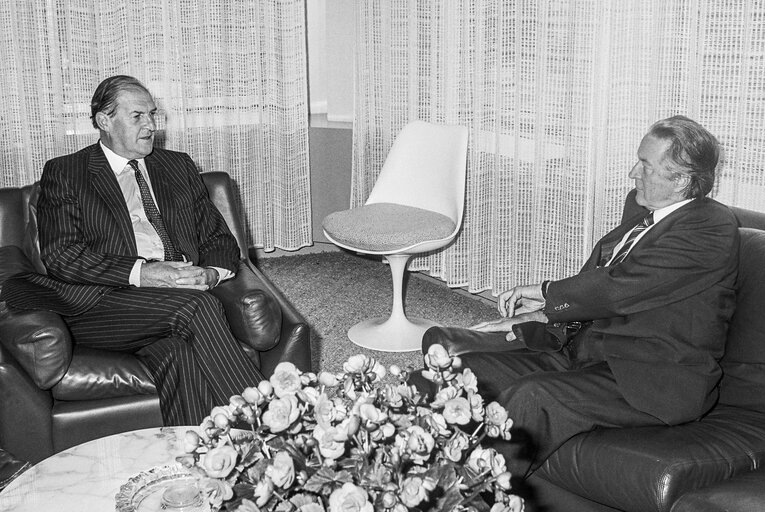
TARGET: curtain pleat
(228,77)
(557,95)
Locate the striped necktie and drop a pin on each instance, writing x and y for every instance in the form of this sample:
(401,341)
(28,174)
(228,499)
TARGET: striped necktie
(644,224)
(152,213)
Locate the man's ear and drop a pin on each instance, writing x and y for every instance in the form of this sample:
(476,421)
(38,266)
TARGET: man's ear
(103,121)
(681,182)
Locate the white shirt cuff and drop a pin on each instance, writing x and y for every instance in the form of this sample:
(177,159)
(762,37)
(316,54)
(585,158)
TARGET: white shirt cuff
(223,274)
(135,273)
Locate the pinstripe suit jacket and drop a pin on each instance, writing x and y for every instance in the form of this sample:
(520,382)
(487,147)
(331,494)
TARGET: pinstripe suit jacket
(86,237)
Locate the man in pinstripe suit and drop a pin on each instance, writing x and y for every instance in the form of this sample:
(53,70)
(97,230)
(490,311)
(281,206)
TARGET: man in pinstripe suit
(109,255)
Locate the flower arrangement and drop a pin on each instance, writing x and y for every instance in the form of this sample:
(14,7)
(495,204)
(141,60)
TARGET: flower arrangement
(356,441)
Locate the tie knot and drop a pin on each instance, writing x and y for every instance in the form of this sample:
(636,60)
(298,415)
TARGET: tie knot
(647,221)
(133,164)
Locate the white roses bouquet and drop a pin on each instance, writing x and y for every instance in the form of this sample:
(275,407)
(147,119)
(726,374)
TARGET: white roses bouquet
(357,441)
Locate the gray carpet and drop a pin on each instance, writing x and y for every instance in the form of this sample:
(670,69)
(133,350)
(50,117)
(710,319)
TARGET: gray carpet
(334,290)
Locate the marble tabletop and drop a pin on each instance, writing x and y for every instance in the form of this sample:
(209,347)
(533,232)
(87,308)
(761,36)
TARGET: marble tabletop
(87,477)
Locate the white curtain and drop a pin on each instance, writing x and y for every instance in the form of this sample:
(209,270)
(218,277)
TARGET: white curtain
(557,95)
(228,77)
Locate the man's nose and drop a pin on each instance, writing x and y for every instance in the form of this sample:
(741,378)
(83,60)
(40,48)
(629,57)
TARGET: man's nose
(151,123)
(635,171)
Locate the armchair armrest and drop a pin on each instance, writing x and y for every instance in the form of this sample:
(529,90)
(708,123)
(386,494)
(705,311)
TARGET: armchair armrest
(262,318)
(295,345)
(31,438)
(253,313)
(39,341)
(295,338)
(10,468)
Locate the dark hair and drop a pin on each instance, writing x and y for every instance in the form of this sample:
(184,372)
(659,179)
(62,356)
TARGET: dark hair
(693,152)
(105,97)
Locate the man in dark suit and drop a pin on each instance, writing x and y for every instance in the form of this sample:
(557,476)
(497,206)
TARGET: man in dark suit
(635,337)
(131,244)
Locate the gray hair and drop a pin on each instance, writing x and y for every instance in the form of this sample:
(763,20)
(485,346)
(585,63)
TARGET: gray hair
(105,97)
(693,152)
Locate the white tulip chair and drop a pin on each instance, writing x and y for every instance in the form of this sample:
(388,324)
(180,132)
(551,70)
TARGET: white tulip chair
(416,206)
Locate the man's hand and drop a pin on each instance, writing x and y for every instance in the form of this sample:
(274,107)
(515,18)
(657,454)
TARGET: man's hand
(506,324)
(521,300)
(177,274)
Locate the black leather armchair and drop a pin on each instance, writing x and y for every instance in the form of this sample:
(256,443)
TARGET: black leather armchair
(10,468)
(56,394)
(714,464)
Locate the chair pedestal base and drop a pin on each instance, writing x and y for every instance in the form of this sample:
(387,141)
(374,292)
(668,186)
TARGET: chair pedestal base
(390,334)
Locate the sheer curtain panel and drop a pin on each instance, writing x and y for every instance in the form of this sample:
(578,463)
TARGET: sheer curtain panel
(228,77)
(557,95)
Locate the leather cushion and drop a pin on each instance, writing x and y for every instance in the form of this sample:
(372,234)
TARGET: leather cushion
(383,227)
(743,382)
(648,468)
(95,374)
(744,493)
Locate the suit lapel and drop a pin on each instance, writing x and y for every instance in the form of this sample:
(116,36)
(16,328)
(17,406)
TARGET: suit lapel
(105,184)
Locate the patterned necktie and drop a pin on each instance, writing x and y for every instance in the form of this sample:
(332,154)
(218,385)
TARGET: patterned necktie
(619,257)
(152,213)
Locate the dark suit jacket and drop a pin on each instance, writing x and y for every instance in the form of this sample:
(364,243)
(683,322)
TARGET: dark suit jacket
(660,317)
(86,238)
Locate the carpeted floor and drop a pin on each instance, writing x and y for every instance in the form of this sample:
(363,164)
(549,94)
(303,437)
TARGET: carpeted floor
(334,290)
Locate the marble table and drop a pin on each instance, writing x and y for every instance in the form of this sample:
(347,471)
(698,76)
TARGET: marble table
(88,476)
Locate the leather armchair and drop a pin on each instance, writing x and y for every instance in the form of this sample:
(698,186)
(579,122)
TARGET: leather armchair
(57,395)
(710,465)
(10,468)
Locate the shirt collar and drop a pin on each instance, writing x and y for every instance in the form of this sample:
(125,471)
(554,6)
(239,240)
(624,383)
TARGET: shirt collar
(116,162)
(663,212)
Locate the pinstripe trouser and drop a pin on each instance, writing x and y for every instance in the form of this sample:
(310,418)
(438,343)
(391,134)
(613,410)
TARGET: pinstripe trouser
(183,338)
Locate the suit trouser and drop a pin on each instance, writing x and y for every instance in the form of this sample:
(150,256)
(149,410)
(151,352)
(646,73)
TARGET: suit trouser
(550,396)
(184,339)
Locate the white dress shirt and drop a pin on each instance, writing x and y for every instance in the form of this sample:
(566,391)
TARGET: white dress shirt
(147,241)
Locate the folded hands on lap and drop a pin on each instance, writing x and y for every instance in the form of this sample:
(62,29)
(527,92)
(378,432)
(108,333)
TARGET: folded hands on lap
(517,305)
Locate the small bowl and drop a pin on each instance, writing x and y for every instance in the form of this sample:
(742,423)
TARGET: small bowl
(182,497)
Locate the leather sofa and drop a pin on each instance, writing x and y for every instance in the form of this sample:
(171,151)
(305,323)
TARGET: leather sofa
(56,394)
(714,464)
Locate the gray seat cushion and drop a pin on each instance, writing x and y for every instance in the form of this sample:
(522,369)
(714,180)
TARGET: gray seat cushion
(381,227)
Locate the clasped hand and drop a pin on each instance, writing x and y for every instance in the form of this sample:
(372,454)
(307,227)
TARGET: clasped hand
(517,305)
(177,274)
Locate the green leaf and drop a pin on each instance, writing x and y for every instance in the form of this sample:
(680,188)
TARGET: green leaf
(375,476)
(252,454)
(297,456)
(327,478)
(449,500)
